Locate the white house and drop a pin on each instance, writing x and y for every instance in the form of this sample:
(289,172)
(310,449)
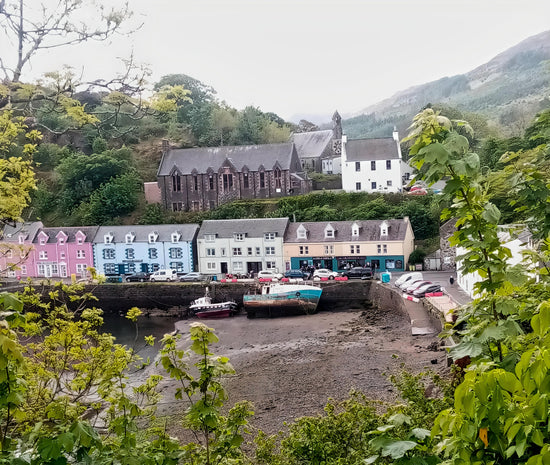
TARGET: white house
(373,165)
(241,246)
(516,238)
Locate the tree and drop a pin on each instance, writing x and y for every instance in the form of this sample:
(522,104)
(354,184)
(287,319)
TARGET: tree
(32,28)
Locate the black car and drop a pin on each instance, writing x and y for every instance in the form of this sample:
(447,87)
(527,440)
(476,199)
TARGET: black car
(140,276)
(358,272)
(297,274)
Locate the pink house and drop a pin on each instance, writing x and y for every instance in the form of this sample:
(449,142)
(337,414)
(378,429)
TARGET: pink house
(62,252)
(16,245)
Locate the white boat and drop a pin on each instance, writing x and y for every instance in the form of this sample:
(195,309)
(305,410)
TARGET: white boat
(203,307)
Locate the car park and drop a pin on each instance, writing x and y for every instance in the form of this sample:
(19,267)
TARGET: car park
(140,276)
(297,274)
(358,272)
(164,275)
(410,277)
(193,276)
(426,289)
(269,274)
(414,286)
(325,273)
(403,286)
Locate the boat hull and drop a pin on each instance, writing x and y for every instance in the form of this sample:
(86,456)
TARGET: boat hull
(221,310)
(284,300)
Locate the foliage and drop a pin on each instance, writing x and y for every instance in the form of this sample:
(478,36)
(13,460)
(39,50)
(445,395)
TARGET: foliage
(417,256)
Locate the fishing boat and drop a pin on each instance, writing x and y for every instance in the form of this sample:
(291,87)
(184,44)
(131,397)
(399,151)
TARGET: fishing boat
(203,307)
(283,298)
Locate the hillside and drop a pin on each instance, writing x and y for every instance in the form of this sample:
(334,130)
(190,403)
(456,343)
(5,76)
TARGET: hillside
(508,90)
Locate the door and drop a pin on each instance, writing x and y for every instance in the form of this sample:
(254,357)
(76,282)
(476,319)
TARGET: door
(62,270)
(223,267)
(375,265)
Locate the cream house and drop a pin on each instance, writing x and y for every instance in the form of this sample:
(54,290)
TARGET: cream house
(385,245)
(241,246)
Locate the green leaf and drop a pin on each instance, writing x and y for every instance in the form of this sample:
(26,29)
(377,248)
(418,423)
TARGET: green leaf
(420,433)
(491,213)
(398,449)
(466,349)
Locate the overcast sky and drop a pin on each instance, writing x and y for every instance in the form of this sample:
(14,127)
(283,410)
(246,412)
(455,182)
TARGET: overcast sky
(311,56)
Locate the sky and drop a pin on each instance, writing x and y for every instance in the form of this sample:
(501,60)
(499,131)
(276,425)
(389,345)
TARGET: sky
(308,57)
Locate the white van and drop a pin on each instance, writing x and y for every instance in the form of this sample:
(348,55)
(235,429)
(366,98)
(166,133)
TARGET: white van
(408,277)
(164,275)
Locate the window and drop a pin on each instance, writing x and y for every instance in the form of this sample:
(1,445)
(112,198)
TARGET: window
(388,164)
(390,264)
(262,180)
(227,182)
(211,266)
(42,240)
(81,269)
(355,249)
(211,204)
(389,183)
(329,250)
(399,264)
(237,266)
(79,240)
(277,177)
(304,250)
(379,248)
(195,206)
(175,252)
(357,186)
(270,265)
(130,254)
(131,268)
(54,268)
(373,165)
(195,182)
(270,250)
(301,232)
(177,206)
(211,182)
(209,237)
(41,269)
(153,253)
(384,248)
(175,237)
(258,251)
(329,233)
(43,255)
(129,238)
(153,238)
(61,254)
(62,241)
(21,239)
(109,254)
(80,254)
(249,251)
(269,236)
(222,251)
(357,166)
(245,180)
(176,183)
(23,269)
(355,230)
(109,268)
(237,251)
(239,236)
(178,266)
(210,252)
(373,185)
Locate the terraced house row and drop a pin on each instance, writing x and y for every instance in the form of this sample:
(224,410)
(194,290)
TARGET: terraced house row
(217,247)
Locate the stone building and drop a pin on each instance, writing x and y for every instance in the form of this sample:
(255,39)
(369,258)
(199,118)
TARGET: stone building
(447,251)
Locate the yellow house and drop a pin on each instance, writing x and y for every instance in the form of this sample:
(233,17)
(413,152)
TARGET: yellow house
(385,245)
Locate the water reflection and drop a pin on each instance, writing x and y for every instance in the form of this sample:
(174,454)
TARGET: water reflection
(125,332)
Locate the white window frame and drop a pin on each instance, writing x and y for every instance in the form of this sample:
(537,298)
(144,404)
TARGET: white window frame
(80,254)
(270,236)
(43,255)
(270,265)
(237,251)
(210,252)
(209,237)
(239,237)
(211,266)
(270,250)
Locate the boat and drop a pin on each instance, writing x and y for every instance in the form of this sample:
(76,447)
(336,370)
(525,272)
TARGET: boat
(203,307)
(283,298)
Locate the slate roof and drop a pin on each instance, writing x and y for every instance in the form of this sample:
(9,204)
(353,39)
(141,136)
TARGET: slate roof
(11,233)
(252,227)
(371,149)
(142,232)
(312,144)
(89,231)
(251,156)
(369,231)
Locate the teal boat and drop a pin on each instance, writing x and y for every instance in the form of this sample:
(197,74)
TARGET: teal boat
(279,298)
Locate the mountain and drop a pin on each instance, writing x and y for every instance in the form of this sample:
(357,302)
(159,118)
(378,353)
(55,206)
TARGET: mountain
(508,90)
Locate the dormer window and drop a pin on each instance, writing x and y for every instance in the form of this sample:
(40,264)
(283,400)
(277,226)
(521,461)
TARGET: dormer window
(43,238)
(62,241)
(21,239)
(130,237)
(239,236)
(329,232)
(354,230)
(301,232)
(153,237)
(384,229)
(175,237)
(108,238)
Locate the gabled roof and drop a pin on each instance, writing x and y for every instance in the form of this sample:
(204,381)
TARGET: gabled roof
(369,231)
(141,232)
(251,156)
(11,232)
(371,149)
(252,227)
(89,231)
(312,144)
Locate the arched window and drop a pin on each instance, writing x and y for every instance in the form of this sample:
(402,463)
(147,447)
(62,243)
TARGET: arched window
(277,177)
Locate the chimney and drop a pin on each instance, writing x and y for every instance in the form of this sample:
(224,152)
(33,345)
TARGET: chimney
(395,134)
(165,145)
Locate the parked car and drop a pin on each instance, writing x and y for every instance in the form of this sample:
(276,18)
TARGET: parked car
(269,274)
(325,273)
(164,275)
(297,274)
(140,276)
(414,286)
(358,272)
(412,276)
(403,286)
(194,276)
(426,289)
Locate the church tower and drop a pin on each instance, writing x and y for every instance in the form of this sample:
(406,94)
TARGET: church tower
(336,133)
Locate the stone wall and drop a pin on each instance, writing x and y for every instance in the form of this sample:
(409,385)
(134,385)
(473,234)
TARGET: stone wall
(448,252)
